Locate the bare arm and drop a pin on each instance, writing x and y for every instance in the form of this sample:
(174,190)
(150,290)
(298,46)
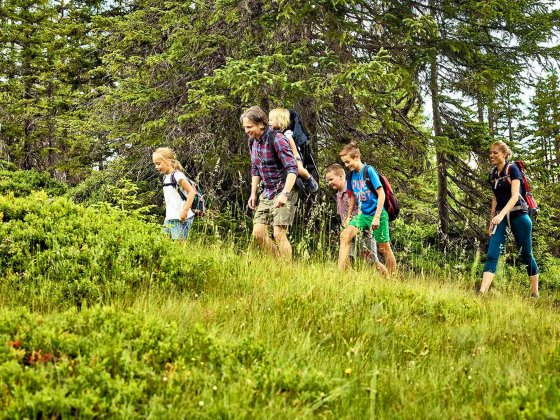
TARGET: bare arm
(351,205)
(515,183)
(255,181)
(189,189)
(293,146)
(379,209)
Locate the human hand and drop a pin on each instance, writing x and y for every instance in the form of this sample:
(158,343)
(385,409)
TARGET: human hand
(496,220)
(375,223)
(281,200)
(252,203)
(183,215)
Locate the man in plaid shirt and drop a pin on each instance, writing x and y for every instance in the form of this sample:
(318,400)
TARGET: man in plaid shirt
(277,170)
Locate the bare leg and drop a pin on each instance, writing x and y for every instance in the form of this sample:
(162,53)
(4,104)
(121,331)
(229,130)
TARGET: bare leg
(346,237)
(304,173)
(260,234)
(390,261)
(382,269)
(487,278)
(534,285)
(284,246)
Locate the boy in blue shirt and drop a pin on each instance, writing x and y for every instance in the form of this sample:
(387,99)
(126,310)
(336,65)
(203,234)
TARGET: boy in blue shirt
(370,206)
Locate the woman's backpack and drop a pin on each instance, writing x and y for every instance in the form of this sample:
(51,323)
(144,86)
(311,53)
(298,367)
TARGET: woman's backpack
(526,190)
(199,205)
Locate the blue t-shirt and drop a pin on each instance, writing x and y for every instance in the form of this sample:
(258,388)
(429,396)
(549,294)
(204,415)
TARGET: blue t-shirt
(501,187)
(365,198)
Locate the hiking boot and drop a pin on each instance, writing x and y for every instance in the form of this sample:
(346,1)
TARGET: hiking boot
(312,184)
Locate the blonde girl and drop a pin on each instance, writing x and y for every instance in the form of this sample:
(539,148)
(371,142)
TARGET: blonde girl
(178,214)
(279,119)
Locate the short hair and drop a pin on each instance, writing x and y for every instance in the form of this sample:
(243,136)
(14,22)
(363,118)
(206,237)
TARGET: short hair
(281,116)
(350,149)
(256,115)
(336,169)
(168,155)
(503,147)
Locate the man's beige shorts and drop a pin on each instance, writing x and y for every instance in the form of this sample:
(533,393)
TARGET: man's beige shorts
(267,213)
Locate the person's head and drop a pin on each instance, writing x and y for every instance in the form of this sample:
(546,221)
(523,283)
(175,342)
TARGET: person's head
(165,160)
(279,118)
(254,121)
(336,177)
(499,153)
(350,156)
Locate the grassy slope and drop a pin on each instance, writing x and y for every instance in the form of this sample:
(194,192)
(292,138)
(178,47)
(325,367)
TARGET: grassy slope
(260,339)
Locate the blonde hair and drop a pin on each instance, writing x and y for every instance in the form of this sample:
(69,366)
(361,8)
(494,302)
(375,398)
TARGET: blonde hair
(281,116)
(350,149)
(504,148)
(336,169)
(168,155)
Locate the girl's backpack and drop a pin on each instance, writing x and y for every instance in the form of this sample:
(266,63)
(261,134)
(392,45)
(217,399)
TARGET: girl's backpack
(199,205)
(391,204)
(526,190)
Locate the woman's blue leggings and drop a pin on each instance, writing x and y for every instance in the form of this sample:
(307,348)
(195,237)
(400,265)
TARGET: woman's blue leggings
(522,228)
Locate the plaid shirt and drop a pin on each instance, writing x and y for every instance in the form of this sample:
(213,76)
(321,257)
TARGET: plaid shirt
(265,164)
(342,204)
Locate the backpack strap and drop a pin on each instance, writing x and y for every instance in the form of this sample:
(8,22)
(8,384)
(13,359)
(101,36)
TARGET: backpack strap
(508,178)
(495,175)
(270,139)
(368,181)
(173,183)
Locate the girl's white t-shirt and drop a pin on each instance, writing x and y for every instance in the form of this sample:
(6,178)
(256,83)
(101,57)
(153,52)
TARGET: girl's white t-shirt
(173,202)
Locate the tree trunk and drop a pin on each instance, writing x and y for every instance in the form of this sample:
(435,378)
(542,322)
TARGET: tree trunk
(441,159)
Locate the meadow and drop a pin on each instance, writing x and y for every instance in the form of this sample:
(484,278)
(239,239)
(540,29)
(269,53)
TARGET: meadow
(102,316)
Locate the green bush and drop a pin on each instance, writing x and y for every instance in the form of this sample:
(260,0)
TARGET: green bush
(22,183)
(107,363)
(53,250)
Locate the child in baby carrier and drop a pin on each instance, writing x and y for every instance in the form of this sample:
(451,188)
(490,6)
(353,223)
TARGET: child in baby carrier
(279,119)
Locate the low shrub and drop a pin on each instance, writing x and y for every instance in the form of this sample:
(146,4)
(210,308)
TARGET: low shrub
(107,363)
(55,251)
(22,183)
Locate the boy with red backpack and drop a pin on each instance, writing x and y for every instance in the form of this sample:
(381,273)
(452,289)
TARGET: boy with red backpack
(366,247)
(365,188)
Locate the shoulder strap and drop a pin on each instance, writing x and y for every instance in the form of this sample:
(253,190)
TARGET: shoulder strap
(508,178)
(270,140)
(367,179)
(172,182)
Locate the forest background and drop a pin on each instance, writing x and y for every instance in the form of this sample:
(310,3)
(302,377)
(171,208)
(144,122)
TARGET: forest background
(88,89)
(103,316)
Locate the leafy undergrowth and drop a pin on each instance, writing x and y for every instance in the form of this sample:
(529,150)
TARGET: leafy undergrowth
(102,362)
(264,340)
(102,316)
(56,252)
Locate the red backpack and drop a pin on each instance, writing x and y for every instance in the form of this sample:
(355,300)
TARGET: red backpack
(391,204)
(526,190)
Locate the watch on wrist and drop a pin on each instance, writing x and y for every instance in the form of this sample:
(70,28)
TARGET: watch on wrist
(286,193)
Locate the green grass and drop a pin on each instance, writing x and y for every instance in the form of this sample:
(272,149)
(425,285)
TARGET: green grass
(254,338)
(102,316)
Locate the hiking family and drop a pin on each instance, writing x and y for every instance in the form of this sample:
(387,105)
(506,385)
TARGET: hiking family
(365,201)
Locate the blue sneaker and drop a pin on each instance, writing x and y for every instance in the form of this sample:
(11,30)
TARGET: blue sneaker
(312,184)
